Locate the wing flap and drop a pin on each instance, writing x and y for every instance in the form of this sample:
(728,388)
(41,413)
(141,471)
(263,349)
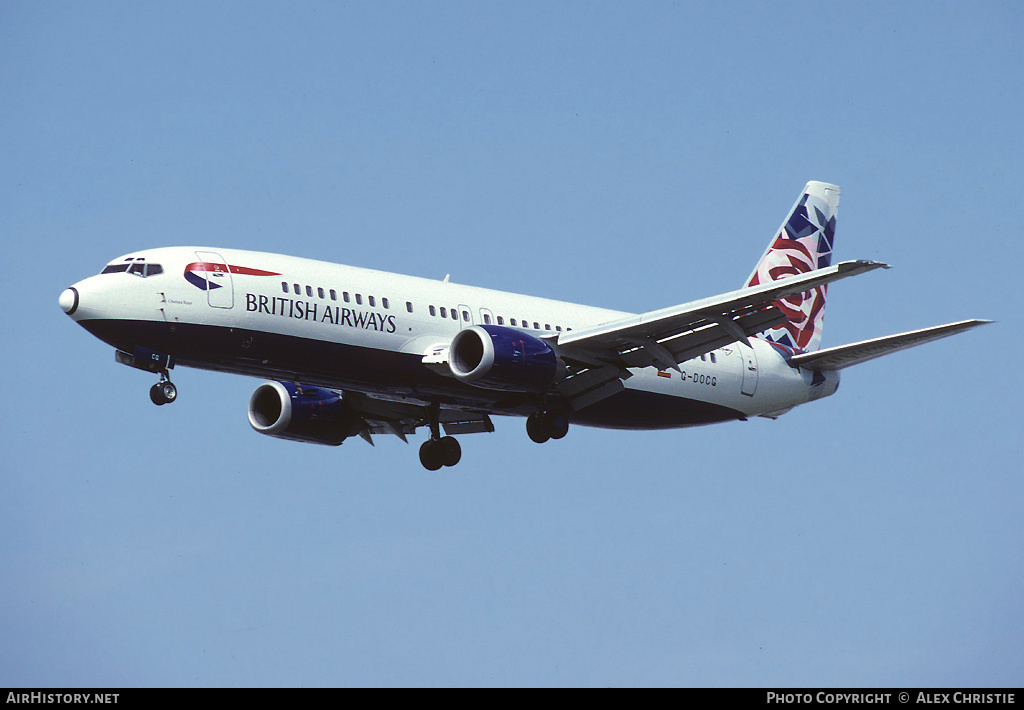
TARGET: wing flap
(704,339)
(846,355)
(384,416)
(592,385)
(453,422)
(466,424)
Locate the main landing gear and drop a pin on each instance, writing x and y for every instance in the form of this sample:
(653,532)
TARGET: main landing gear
(435,453)
(545,425)
(142,358)
(438,451)
(164,391)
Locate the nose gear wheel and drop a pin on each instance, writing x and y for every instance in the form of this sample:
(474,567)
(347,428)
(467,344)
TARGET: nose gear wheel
(163,392)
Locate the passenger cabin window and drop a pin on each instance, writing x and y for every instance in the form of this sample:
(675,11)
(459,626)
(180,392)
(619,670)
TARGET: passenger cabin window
(320,292)
(359,299)
(408,306)
(298,291)
(334,295)
(501,321)
(444,312)
(370,300)
(384,302)
(345,296)
(512,321)
(487,319)
(433,311)
(465,316)
(284,286)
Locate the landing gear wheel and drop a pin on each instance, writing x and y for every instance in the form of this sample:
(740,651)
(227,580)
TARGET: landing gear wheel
(163,392)
(536,428)
(557,423)
(547,425)
(435,453)
(449,450)
(430,456)
(169,391)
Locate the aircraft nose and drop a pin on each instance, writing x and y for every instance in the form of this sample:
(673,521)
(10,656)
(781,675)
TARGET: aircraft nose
(69,300)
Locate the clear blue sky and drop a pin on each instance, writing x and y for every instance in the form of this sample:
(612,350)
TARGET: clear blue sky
(627,155)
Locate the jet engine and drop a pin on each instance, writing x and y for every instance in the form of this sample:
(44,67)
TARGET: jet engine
(499,358)
(310,414)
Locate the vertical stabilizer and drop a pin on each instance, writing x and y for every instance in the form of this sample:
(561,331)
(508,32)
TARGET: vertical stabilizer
(803,243)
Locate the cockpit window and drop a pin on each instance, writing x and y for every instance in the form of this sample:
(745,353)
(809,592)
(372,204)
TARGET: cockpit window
(134,266)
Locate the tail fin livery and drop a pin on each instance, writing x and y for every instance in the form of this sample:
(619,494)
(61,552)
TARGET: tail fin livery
(803,243)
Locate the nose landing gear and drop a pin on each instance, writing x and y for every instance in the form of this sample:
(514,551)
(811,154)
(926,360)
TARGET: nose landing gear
(164,391)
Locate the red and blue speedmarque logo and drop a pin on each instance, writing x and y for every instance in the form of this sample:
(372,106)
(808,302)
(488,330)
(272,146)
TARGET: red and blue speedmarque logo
(195,273)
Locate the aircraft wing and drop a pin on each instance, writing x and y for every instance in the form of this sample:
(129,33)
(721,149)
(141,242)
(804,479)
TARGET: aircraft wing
(856,353)
(667,337)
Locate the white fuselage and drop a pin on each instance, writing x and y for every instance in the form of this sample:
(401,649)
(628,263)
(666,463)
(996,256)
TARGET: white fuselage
(349,328)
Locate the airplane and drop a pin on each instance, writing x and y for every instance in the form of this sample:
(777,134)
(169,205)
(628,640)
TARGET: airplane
(350,351)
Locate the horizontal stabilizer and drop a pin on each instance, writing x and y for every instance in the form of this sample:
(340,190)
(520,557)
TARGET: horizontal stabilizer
(856,353)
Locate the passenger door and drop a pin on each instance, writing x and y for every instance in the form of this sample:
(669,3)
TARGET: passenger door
(749,366)
(220,292)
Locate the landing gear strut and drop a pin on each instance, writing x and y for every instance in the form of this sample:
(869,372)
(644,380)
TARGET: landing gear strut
(164,391)
(542,426)
(438,451)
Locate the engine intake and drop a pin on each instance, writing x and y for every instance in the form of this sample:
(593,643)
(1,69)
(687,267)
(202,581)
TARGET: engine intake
(310,414)
(499,358)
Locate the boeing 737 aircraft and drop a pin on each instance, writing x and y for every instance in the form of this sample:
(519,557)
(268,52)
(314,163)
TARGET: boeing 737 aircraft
(355,352)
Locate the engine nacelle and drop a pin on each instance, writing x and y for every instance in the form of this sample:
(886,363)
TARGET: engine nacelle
(499,358)
(311,414)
